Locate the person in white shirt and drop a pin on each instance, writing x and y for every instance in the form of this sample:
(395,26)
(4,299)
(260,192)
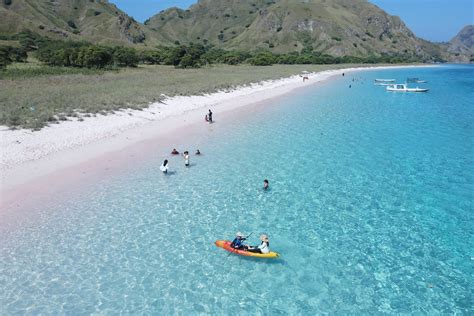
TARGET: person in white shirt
(263,247)
(164,166)
(186,158)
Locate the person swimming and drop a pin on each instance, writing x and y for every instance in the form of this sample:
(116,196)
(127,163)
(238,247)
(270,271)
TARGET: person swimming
(186,158)
(198,152)
(164,166)
(264,246)
(175,152)
(265,184)
(238,242)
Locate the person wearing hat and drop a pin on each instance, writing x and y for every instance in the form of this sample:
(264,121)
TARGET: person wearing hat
(263,247)
(238,242)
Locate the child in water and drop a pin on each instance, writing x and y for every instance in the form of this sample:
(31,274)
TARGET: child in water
(265,184)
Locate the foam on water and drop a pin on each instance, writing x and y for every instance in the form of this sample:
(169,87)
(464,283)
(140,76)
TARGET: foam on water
(370,206)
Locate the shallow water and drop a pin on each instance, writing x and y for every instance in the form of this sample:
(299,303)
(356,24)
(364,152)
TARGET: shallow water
(370,206)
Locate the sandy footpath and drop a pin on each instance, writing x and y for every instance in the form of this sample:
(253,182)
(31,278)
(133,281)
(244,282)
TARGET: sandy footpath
(26,155)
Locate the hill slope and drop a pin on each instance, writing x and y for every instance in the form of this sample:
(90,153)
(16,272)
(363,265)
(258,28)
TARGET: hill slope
(92,20)
(335,27)
(462,45)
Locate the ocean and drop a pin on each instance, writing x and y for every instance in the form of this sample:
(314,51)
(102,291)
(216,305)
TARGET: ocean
(370,207)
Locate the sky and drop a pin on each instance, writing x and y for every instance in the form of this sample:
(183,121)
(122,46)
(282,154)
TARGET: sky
(434,20)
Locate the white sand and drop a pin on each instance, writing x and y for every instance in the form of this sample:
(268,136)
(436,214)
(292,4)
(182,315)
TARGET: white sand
(26,154)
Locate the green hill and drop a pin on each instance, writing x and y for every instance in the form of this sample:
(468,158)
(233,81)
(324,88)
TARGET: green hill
(96,21)
(334,27)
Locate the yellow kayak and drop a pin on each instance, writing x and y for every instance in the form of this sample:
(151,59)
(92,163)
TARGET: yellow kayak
(225,244)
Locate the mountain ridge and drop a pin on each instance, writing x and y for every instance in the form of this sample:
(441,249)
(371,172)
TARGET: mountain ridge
(336,27)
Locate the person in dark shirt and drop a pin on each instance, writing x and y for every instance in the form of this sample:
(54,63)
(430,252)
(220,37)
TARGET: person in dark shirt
(209,116)
(238,242)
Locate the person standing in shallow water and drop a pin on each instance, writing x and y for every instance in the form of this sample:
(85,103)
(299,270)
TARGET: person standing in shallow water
(186,158)
(164,166)
(265,184)
(209,116)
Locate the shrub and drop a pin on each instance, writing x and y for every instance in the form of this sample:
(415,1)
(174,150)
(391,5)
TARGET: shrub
(4,58)
(71,24)
(263,59)
(29,40)
(151,57)
(125,57)
(18,55)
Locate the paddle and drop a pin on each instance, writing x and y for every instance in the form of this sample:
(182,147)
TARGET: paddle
(235,250)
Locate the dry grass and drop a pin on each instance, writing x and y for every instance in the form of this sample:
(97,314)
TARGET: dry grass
(37,101)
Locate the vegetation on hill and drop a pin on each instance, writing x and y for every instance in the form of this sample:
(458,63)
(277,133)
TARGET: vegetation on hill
(94,21)
(87,55)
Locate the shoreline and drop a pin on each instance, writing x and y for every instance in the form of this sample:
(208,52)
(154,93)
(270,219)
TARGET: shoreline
(29,157)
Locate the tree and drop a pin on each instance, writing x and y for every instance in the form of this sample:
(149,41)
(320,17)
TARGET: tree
(28,40)
(151,57)
(234,58)
(125,57)
(263,59)
(94,57)
(18,55)
(4,57)
(187,61)
(174,55)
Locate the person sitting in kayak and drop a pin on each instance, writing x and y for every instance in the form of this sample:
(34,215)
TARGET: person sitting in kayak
(238,242)
(263,247)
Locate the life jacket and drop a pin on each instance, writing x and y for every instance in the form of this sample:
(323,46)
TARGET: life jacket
(236,243)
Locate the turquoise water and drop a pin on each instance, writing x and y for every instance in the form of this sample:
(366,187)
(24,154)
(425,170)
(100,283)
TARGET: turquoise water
(370,206)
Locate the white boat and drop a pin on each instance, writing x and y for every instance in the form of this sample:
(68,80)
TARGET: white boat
(401,87)
(384,80)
